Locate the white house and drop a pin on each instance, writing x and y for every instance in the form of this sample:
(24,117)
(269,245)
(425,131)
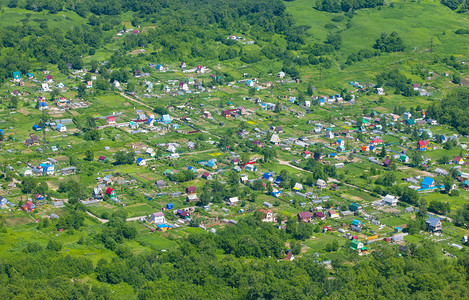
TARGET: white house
(233,201)
(379,91)
(157,218)
(390,200)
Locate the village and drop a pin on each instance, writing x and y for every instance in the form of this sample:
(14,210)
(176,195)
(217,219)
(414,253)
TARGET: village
(179,148)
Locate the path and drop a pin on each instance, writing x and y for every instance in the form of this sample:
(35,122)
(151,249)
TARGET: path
(99,219)
(137,101)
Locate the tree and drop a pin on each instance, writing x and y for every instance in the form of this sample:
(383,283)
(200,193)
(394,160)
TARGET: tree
(415,158)
(54,245)
(382,154)
(13,102)
(29,185)
(89,155)
(90,122)
(124,158)
(448,182)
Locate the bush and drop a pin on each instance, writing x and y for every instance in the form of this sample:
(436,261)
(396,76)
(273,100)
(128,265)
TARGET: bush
(54,246)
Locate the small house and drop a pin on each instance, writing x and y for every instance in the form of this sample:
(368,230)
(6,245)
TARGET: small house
(207,176)
(61,128)
(321,184)
(428,182)
(191,190)
(233,201)
(390,200)
(333,214)
(111,192)
(434,224)
(422,145)
(111,120)
(98,193)
(157,218)
(29,206)
(268,215)
(141,162)
(319,215)
(304,216)
(191,197)
(458,160)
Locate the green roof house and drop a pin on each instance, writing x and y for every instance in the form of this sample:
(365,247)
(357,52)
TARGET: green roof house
(16,75)
(356,244)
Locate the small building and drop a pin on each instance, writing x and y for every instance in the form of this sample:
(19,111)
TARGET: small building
(29,206)
(111,193)
(157,218)
(304,216)
(233,201)
(390,200)
(191,190)
(356,244)
(141,162)
(434,224)
(191,197)
(102,159)
(111,120)
(268,215)
(98,193)
(321,184)
(319,215)
(207,176)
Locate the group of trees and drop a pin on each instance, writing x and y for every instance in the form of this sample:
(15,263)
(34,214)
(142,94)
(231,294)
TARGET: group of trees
(398,81)
(347,5)
(453,110)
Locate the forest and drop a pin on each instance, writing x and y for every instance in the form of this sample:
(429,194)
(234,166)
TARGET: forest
(453,110)
(249,269)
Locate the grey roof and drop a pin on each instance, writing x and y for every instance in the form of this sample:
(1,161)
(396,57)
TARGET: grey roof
(432,221)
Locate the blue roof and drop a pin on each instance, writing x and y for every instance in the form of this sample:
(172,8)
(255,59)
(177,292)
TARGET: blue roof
(43,104)
(322,100)
(339,140)
(149,120)
(427,181)
(333,154)
(466,182)
(267,175)
(210,164)
(158,66)
(166,117)
(278,179)
(162,225)
(139,160)
(432,221)
(59,126)
(356,222)
(1,131)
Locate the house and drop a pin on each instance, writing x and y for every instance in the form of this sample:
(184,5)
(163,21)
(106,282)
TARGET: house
(250,168)
(232,201)
(356,225)
(30,75)
(183,86)
(61,128)
(29,206)
(333,214)
(289,256)
(304,216)
(183,214)
(379,91)
(207,176)
(422,145)
(458,160)
(387,162)
(427,182)
(306,154)
(98,193)
(258,144)
(211,164)
(268,215)
(166,119)
(275,139)
(89,84)
(191,190)
(250,83)
(191,197)
(61,102)
(160,183)
(47,169)
(321,184)
(434,224)
(276,193)
(354,207)
(390,200)
(116,84)
(111,120)
(404,158)
(278,129)
(111,192)
(410,122)
(141,162)
(298,187)
(48,79)
(356,244)
(281,74)
(157,218)
(45,87)
(319,215)
(102,159)
(407,115)
(16,76)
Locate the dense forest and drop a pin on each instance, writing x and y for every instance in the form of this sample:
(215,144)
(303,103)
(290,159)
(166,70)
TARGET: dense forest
(453,110)
(249,269)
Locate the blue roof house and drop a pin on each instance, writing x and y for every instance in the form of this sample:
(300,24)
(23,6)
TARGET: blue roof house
(166,119)
(16,75)
(278,179)
(267,175)
(428,182)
